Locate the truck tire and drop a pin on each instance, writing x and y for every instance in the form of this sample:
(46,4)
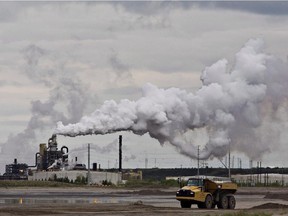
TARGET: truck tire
(231,202)
(223,203)
(185,204)
(208,202)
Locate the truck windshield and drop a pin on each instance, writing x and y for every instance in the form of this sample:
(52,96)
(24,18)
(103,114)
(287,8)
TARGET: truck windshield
(195,182)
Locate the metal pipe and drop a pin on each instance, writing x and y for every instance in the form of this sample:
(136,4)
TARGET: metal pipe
(64,147)
(36,156)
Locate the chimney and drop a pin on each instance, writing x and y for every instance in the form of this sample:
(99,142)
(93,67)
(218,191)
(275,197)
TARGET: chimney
(120,153)
(15,161)
(94,166)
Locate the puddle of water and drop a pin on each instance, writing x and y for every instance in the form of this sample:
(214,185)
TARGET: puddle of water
(56,201)
(151,200)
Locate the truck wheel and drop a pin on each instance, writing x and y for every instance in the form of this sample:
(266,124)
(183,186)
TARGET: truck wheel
(208,202)
(185,204)
(223,204)
(231,202)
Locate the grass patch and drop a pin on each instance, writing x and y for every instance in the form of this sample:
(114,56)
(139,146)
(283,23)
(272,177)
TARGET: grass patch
(13,183)
(141,183)
(151,183)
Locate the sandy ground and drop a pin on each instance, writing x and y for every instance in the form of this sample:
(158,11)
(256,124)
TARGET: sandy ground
(111,201)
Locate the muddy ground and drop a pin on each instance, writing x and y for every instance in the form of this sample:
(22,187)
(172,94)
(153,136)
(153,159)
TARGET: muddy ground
(115,201)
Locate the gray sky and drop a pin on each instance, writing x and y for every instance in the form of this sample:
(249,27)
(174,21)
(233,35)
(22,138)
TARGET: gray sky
(59,61)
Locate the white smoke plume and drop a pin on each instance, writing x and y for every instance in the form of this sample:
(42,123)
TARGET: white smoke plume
(108,148)
(121,70)
(128,158)
(104,149)
(239,105)
(65,91)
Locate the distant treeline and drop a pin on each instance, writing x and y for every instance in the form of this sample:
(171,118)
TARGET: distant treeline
(161,174)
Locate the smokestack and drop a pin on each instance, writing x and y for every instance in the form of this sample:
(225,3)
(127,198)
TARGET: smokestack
(120,153)
(94,166)
(15,161)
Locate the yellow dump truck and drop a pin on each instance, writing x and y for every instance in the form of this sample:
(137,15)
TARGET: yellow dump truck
(207,193)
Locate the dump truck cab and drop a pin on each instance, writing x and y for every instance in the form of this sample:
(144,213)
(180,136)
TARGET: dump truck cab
(207,193)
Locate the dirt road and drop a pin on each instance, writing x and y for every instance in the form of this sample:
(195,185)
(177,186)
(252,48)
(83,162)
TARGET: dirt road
(111,201)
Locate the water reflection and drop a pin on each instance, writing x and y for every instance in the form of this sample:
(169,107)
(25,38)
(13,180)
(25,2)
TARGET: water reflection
(56,200)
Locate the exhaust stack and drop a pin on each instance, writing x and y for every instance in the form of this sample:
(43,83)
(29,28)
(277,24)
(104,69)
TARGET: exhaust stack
(120,153)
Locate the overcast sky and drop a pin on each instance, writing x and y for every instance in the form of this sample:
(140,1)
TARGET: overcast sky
(59,61)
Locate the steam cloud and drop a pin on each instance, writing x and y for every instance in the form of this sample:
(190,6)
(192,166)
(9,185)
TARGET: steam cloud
(108,148)
(64,90)
(241,106)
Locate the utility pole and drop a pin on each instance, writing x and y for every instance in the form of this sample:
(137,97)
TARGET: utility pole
(229,168)
(198,161)
(88,176)
(146,162)
(260,165)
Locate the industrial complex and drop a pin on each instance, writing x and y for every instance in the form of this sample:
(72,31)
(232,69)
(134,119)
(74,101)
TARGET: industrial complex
(52,163)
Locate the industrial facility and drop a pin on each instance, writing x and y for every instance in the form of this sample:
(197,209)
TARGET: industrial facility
(50,158)
(15,171)
(52,163)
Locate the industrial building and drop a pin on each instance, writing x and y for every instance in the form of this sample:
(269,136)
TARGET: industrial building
(96,177)
(15,171)
(52,163)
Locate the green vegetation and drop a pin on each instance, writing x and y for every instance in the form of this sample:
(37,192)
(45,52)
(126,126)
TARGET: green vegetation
(107,183)
(171,183)
(53,182)
(152,183)
(80,180)
(15,183)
